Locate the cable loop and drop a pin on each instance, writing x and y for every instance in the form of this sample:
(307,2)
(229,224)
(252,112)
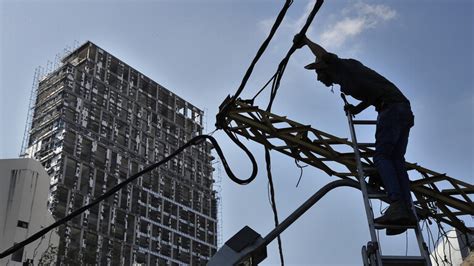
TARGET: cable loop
(194,141)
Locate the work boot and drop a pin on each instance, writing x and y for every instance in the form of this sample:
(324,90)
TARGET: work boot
(396,214)
(395,231)
(410,221)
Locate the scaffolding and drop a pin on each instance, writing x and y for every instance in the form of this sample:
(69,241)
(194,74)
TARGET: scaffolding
(29,115)
(40,73)
(218,189)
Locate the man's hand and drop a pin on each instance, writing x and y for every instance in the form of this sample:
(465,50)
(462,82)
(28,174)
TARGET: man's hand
(351,109)
(299,40)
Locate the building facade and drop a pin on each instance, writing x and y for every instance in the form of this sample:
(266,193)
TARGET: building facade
(24,187)
(96,122)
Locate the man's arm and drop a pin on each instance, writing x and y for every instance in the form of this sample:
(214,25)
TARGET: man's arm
(317,49)
(361,107)
(356,109)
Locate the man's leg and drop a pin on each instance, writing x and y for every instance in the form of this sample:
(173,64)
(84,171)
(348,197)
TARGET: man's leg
(386,137)
(400,168)
(406,121)
(403,180)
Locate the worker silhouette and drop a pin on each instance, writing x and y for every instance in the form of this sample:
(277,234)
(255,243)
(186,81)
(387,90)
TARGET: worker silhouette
(394,121)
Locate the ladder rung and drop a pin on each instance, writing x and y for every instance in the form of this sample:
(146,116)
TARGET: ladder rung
(370,170)
(403,260)
(364,122)
(365,145)
(362,154)
(381,196)
(330,141)
(345,174)
(390,226)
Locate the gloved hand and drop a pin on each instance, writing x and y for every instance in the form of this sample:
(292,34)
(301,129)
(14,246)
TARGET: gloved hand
(349,108)
(299,40)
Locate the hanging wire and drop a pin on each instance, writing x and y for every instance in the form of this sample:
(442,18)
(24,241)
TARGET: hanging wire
(430,237)
(264,86)
(273,201)
(39,243)
(262,48)
(445,235)
(301,171)
(212,132)
(194,141)
(284,62)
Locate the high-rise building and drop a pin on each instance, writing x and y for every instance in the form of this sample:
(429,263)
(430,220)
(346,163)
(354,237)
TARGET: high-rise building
(96,122)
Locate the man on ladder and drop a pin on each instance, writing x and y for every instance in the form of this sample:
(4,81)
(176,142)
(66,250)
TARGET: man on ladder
(394,121)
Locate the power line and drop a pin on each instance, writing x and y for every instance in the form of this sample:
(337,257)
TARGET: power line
(194,141)
(272,200)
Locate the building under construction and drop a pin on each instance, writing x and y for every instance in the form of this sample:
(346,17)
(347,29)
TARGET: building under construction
(98,121)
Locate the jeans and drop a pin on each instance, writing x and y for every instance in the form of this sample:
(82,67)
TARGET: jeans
(391,139)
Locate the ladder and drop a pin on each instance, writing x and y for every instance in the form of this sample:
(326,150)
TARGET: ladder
(371,253)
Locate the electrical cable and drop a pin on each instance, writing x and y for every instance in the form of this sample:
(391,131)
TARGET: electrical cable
(273,202)
(264,86)
(430,237)
(301,171)
(284,62)
(447,241)
(275,84)
(262,48)
(37,246)
(276,78)
(251,157)
(194,141)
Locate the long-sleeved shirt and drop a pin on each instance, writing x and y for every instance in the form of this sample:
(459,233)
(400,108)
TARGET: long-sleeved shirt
(363,83)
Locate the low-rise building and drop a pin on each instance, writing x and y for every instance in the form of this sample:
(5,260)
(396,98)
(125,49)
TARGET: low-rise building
(24,188)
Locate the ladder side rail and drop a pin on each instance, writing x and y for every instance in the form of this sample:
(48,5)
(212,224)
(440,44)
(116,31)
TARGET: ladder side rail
(363,187)
(420,241)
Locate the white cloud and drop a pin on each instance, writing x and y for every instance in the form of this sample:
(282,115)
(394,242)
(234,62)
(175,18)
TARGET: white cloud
(337,34)
(376,11)
(355,20)
(349,23)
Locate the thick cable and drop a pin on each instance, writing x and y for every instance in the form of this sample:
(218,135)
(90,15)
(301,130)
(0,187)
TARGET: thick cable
(284,62)
(194,141)
(272,200)
(276,78)
(262,48)
(249,154)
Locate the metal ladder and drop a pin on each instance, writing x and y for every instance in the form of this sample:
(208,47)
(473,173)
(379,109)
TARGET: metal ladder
(371,253)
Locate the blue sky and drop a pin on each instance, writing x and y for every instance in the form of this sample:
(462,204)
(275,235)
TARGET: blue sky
(201,49)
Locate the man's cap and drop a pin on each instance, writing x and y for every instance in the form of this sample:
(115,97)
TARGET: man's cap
(324,62)
(318,64)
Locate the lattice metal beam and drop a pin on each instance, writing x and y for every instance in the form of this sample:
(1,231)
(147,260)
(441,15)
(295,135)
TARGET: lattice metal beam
(317,148)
